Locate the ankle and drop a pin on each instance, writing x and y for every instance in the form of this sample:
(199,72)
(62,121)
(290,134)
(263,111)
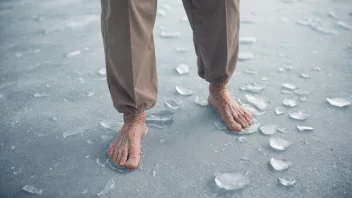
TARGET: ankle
(217,89)
(133,118)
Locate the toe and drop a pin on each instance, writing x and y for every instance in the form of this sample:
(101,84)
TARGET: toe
(230,122)
(117,157)
(240,120)
(123,159)
(133,159)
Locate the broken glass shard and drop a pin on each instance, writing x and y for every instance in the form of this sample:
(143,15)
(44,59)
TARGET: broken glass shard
(184,91)
(220,125)
(250,71)
(253,127)
(156,168)
(305,75)
(279,164)
(231,180)
(332,15)
(89,94)
(244,56)
(184,19)
(247,40)
(304,128)
(246,21)
(160,12)
(344,25)
(172,104)
(302,92)
(160,119)
(264,79)
(289,86)
(243,139)
(113,125)
(298,115)
(287,181)
(288,68)
(100,163)
(33,190)
(201,101)
(104,137)
(259,102)
(279,110)
(74,53)
(182,69)
(169,34)
(282,130)
(284,91)
(339,102)
(280,69)
(303,98)
(41,95)
(73,132)
(102,72)
(253,87)
(181,50)
(252,110)
(279,143)
(268,129)
(318,69)
(289,102)
(108,187)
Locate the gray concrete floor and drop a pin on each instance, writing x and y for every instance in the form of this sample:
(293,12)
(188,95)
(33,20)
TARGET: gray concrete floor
(36,36)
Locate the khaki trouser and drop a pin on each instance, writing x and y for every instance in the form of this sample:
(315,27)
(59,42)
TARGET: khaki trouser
(127,29)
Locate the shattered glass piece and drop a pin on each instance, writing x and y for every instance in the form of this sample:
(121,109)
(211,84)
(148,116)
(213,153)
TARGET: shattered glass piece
(268,129)
(19,171)
(264,79)
(332,15)
(304,128)
(74,53)
(243,139)
(184,91)
(41,95)
(182,69)
(318,69)
(339,102)
(73,132)
(344,25)
(279,110)
(303,22)
(250,71)
(184,19)
(253,127)
(252,110)
(181,50)
(220,125)
(298,115)
(289,86)
(303,98)
(201,101)
(280,69)
(100,163)
(113,125)
(172,104)
(102,72)
(253,87)
(279,164)
(156,168)
(289,102)
(247,40)
(259,102)
(284,91)
(160,119)
(288,68)
(33,190)
(287,181)
(104,137)
(305,75)
(246,21)
(302,92)
(90,93)
(108,187)
(160,12)
(231,180)
(279,143)
(244,56)
(164,34)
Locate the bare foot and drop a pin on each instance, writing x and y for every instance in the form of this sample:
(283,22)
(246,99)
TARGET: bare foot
(234,116)
(125,148)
